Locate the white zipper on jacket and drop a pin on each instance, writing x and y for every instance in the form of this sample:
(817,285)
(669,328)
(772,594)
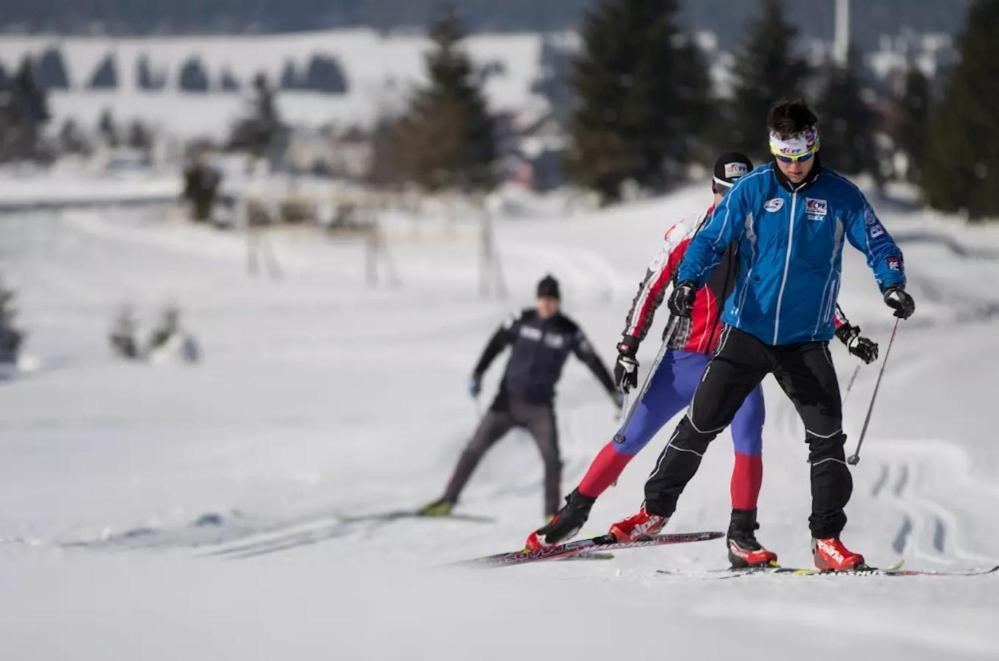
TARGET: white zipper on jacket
(787,264)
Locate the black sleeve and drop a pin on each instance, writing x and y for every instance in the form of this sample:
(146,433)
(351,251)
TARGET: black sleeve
(584,351)
(499,341)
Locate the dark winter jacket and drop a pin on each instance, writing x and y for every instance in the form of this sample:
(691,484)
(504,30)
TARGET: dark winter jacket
(539,349)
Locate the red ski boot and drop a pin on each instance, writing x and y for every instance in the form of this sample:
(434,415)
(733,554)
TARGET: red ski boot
(831,555)
(638,526)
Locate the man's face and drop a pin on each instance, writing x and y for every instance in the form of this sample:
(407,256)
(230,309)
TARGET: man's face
(796,171)
(547,306)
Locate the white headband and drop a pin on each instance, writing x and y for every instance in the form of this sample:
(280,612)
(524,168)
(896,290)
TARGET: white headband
(795,146)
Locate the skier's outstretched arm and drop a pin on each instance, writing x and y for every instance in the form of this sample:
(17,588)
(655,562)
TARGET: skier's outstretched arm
(499,341)
(584,351)
(866,233)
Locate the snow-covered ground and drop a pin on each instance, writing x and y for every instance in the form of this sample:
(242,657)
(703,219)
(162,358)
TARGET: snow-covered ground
(196,512)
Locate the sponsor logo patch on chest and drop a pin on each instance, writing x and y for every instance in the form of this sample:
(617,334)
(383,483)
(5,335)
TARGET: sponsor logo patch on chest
(774,204)
(529,333)
(555,341)
(816,209)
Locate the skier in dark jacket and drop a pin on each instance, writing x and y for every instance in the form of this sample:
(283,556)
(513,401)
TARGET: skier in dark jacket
(541,339)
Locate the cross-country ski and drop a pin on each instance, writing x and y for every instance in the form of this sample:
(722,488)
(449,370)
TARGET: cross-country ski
(805,571)
(576,548)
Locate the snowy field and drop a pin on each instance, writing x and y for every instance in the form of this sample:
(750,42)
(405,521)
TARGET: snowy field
(380,70)
(190,513)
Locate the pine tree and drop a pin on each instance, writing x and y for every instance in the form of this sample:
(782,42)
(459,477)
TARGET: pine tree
(72,139)
(642,91)
(51,71)
(145,79)
(193,77)
(914,116)
(290,80)
(140,137)
(847,123)
(107,128)
(765,70)
(555,69)
(324,74)
(446,137)
(105,75)
(23,113)
(963,153)
(228,81)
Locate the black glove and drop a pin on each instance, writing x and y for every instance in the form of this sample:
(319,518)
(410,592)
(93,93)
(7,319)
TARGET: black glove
(681,301)
(626,367)
(857,344)
(474,385)
(900,301)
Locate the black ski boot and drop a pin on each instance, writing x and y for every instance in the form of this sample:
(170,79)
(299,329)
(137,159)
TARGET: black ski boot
(743,548)
(564,525)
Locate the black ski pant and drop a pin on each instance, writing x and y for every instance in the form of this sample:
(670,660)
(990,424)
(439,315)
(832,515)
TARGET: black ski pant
(805,372)
(539,420)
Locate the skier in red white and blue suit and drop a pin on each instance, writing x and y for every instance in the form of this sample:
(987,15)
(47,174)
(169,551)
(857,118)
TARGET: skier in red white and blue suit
(790,219)
(672,385)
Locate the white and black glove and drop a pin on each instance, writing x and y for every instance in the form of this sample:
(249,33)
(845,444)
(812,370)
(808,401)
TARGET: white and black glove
(681,301)
(626,366)
(897,299)
(860,346)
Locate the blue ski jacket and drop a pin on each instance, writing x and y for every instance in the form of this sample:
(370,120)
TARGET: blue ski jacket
(790,251)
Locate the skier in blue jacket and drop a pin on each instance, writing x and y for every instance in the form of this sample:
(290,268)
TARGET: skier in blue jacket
(790,218)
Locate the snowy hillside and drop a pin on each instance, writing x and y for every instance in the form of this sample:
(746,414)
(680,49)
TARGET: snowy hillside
(190,513)
(380,70)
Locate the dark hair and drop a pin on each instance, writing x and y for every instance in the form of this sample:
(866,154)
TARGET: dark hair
(789,117)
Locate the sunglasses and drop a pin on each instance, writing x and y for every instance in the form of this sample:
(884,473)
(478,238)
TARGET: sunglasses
(794,159)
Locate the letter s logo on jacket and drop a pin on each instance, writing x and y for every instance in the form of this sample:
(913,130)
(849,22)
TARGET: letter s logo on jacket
(774,205)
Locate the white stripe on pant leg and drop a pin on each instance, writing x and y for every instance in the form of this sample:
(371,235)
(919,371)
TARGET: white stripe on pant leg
(809,431)
(685,450)
(838,461)
(696,428)
(663,454)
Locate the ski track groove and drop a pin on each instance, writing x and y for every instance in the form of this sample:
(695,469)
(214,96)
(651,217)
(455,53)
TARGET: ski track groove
(929,528)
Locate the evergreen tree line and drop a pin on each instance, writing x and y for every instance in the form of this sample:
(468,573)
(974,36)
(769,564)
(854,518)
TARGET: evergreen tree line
(646,109)
(322,73)
(642,109)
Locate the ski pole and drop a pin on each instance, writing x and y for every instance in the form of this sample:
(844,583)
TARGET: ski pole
(849,386)
(670,331)
(854,458)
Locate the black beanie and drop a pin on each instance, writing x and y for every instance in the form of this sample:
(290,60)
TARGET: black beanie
(730,167)
(548,287)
